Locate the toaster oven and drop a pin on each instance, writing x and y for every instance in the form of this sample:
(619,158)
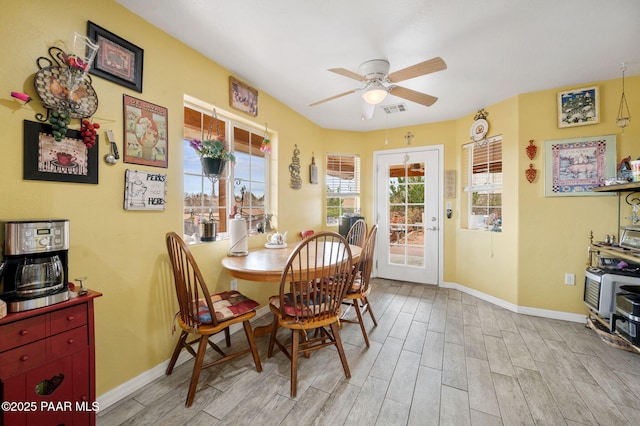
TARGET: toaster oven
(600,288)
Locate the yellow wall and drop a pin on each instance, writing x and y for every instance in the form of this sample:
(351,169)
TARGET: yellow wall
(554,231)
(123,253)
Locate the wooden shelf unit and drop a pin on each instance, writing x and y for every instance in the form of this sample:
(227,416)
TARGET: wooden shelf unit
(616,251)
(631,188)
(622,187)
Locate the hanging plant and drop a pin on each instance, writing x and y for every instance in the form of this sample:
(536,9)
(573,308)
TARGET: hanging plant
(266,143)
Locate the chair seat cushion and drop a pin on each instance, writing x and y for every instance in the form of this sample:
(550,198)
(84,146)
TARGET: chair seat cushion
(355,284)
(228,305)
(296,307)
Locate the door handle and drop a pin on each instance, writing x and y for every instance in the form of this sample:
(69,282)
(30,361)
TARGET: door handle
(431,228)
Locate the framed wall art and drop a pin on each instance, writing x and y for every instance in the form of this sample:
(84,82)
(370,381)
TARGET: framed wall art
(145,133)
(579,107)
(144,190)
(243,97)
(68,160)
(574,166)
(117,59)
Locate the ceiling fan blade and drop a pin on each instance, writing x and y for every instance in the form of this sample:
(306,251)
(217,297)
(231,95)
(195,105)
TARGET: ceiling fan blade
(350,74)
(426,67)
(367,110)
(413,96)
(333,97)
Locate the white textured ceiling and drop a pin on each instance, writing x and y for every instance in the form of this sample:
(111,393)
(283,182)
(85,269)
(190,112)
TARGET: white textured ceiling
(494,49)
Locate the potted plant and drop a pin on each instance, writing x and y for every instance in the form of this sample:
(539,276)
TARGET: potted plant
(214,155)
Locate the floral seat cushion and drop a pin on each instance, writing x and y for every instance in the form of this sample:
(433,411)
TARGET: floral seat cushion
(227,305)
(296,307)
(355,285)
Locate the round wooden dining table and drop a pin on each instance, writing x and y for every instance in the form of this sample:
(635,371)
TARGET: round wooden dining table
(267,264)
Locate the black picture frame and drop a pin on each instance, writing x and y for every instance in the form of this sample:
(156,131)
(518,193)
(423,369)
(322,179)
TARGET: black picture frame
(117,59)
(42,160)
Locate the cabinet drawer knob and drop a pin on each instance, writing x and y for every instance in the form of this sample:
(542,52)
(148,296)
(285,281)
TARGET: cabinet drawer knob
(70,318)
(70,341)
(23,332)
(24,358)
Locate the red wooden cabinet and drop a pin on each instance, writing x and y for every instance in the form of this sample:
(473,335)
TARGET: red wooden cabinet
(47,365)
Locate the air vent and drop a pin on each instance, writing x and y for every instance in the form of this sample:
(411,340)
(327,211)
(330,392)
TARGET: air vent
(390,109)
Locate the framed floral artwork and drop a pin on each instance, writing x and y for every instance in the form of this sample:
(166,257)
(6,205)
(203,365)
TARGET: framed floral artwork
(574,166)
(67,160)
(145,133)
(579,107)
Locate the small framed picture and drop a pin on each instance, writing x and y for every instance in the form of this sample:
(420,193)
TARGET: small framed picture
(117,60)
(579,107)
(243,97)
(144,190)
(67,160)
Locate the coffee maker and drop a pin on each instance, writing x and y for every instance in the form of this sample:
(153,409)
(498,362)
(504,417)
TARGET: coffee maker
(34,270)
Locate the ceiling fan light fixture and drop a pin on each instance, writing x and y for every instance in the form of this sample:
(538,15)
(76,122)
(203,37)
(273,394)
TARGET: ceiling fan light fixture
(374,94)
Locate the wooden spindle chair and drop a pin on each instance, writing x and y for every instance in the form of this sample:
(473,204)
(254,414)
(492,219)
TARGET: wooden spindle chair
(312,287)
(205,315)
(357,233)
(358,291)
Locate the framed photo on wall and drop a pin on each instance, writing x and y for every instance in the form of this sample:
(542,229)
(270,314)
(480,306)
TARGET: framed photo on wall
(579,107)
(573,166)
(243,97)
(68,160)
(117,59)
(145,133)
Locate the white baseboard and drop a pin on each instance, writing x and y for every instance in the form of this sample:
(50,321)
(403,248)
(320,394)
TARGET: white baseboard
(536,312)
(116,394)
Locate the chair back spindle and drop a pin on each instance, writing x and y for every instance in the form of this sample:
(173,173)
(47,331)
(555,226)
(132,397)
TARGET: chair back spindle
(191,289)
(357,233)
(317,282)
(365,263)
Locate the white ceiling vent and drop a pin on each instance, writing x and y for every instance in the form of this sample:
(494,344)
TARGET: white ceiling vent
(390,109)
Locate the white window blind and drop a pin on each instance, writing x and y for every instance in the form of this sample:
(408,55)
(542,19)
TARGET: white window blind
(482,165)
(482,171)
(342,183)
(343,175)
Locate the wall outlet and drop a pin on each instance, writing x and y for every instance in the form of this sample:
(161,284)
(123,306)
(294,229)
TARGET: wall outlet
(234,284)
(570,279)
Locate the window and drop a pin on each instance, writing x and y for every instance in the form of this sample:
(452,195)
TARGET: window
(483,172)
(243,188)
(343,186)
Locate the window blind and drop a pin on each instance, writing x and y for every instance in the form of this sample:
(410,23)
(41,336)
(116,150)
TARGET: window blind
(482,165)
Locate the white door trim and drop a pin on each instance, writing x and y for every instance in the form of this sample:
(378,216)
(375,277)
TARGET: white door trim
(376,214)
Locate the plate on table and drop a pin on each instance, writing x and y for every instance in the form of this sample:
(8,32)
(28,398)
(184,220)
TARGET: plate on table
(275,246)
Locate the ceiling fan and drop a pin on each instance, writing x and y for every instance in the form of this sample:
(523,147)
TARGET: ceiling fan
(378,83)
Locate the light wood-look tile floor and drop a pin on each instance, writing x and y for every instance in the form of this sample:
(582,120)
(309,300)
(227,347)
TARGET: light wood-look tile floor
(437,357)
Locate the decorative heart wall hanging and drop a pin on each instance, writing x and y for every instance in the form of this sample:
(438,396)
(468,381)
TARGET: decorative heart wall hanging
(532,149)
(531,173)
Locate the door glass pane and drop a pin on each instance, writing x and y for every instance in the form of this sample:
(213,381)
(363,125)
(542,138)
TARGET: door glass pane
(406,214)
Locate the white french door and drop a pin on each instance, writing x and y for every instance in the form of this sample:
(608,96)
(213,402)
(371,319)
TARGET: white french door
(408,199)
